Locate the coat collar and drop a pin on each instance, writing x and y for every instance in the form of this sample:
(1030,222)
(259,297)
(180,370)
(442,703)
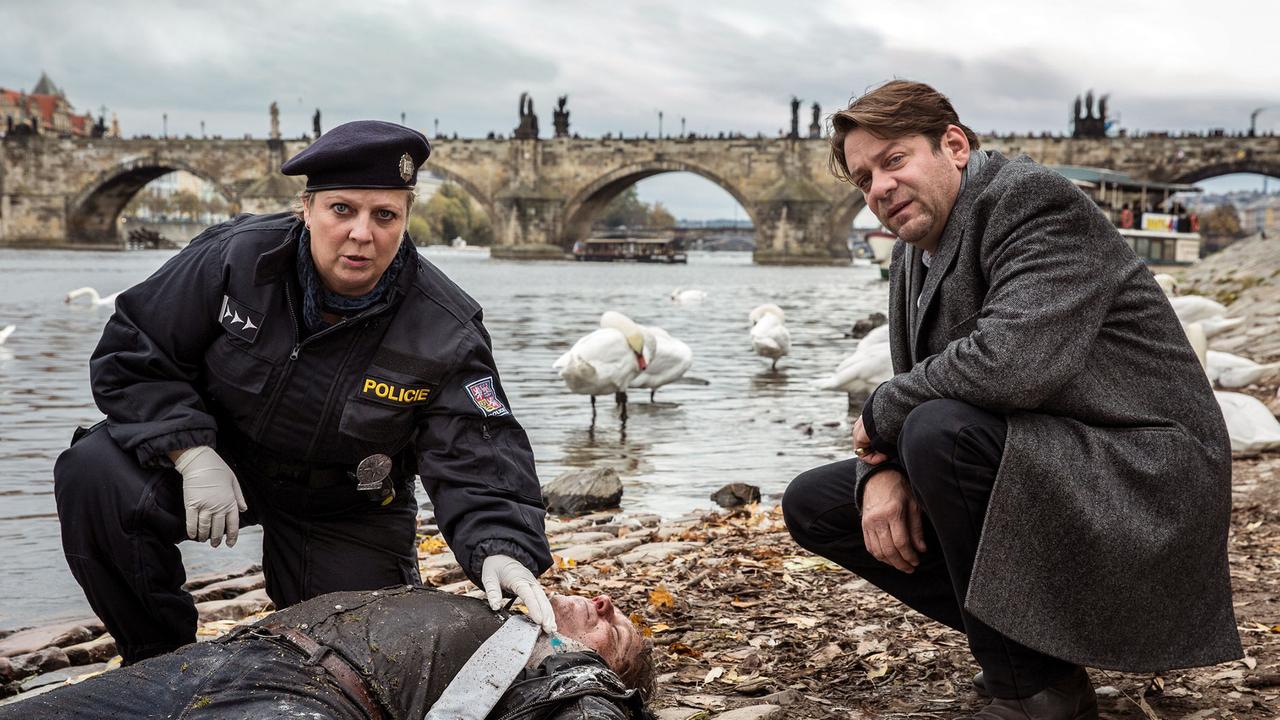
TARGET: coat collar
(949,243)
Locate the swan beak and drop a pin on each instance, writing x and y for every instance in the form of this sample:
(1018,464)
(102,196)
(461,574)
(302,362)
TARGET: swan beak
(640,361)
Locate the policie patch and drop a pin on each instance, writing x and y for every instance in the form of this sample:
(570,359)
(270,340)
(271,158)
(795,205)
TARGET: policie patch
(485,397)
(240,320)
(389,392)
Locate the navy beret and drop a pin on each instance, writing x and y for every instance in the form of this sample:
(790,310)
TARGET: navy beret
(362,154)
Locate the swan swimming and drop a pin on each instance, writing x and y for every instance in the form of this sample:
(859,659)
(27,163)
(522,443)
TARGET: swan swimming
(606,360)
(863,371)
(769,336)
(94,298)
(6,331)
(681,296)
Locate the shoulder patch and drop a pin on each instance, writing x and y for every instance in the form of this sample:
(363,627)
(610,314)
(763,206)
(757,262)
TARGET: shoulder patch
(239,320)
(485,396)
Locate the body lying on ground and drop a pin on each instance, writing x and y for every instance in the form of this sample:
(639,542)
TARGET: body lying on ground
(376,654)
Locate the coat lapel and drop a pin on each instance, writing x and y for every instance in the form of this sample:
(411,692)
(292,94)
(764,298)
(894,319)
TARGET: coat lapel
(939,266)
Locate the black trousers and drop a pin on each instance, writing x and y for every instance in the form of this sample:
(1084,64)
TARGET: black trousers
(951,451)
(121,524)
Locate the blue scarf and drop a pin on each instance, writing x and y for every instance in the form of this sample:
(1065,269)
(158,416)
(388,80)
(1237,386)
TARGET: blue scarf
(318,299)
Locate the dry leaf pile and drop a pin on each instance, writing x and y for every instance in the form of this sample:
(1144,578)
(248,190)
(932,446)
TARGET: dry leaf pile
(747,617)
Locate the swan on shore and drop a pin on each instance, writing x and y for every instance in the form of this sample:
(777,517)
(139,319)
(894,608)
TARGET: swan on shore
(94,298)
(606,360)
(1232,371)
(769,336)
(1250,424)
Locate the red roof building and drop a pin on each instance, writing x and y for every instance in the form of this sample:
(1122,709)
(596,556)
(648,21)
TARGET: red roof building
(45,111)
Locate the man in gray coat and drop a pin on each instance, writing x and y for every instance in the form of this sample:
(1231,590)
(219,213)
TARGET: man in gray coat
(1048,471)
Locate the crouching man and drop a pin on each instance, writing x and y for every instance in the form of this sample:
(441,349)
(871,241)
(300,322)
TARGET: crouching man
(1047,471)
(381,654)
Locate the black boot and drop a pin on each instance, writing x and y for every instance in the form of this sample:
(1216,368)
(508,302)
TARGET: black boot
(1071,698)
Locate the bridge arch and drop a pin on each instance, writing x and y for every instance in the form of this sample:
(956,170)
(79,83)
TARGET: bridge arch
(843,211)
(92,213)
(1230,167)
(585,204)
(453,176)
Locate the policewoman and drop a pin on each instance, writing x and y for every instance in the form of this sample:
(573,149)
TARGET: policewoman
(296,371)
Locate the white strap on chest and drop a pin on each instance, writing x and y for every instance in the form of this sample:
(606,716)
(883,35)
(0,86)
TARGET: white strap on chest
(476,689)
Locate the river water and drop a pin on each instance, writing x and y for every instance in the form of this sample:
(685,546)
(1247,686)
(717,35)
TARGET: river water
(747,424)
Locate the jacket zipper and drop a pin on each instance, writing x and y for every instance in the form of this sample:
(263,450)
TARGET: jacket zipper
(297,348)
(328,401)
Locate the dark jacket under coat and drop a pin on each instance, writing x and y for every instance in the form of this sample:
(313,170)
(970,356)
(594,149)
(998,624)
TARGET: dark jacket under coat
(1105,542)
(208,351)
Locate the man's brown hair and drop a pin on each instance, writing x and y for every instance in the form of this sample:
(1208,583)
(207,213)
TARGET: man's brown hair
(895,109)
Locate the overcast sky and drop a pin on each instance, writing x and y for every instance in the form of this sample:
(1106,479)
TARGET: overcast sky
(1008,66)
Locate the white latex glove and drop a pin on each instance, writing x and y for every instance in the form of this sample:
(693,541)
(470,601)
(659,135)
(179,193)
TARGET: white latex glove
(212,496)
(503,572)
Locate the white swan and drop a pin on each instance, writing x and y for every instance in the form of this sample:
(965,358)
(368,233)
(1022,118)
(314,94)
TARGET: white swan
(769,336)
(6,331)
(864,370)
(671,359)
(94,298)
(606,361)
(682,296)
(1250,424)
(1232,371)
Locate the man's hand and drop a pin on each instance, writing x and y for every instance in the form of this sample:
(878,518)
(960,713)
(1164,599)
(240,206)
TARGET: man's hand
(892,523)
(502,572)
(861,440)
(211,495)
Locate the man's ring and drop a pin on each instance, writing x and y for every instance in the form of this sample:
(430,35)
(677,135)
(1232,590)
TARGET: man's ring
(859,451)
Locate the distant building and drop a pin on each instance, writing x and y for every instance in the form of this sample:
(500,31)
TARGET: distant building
(44,111)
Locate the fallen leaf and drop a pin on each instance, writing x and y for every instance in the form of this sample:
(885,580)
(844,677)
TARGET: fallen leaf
(661,598)
(712,674)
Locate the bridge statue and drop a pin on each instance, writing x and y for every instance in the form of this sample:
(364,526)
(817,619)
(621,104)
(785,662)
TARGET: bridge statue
(795,118)
(275,120)
(315,123)
(528,127)
(560,116)
(815,127)
(1086,124)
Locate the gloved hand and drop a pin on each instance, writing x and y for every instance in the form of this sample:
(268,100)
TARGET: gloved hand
(503,572)
(211,494)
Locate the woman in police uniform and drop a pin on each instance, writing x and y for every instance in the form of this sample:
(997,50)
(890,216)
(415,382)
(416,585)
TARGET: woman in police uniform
(297,370)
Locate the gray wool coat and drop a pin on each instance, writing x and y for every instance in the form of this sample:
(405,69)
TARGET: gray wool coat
(1105,542)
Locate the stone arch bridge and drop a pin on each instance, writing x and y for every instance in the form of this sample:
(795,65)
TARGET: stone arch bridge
(542,195)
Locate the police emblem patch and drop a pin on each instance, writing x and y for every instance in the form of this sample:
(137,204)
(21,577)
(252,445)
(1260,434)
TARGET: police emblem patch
(485,397)
(239,320)
(406,167)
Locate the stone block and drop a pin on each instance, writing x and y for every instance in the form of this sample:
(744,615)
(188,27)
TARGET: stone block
(41,661)
(58,677)
(656,552)
(752,712)
(32,639)
(229,588)
(99,649)
(582,491)
(195,582)
(736,495)
(234,608)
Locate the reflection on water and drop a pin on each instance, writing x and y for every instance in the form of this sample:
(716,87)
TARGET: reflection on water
(745,424)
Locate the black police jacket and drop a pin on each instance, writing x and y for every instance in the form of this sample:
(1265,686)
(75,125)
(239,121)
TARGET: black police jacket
(209,346)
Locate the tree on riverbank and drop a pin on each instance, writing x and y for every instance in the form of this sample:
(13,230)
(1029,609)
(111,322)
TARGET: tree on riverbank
(450,213)
(627,210)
